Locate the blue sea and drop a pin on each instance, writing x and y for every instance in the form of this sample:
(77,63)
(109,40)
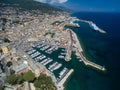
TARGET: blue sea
(103,49)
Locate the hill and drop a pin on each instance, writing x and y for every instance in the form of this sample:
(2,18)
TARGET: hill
(31,5)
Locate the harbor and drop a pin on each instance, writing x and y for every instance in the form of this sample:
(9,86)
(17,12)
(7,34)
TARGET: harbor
(42,53)
(61,83)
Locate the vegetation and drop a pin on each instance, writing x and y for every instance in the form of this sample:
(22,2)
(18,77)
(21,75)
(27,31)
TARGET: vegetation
(52,34)
(12,72)
(19,79)
(4,20)
(0,50)
(9,64)
(71,26)
(29,76)
(57,22)
(16,21)
(44,83)
(12,79)
(33,5)
(6,40)
(2,87)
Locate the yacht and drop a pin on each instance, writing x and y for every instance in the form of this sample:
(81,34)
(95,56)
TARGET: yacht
(61,57)
(50,60)
(63,72)
(51,66)
(57,66)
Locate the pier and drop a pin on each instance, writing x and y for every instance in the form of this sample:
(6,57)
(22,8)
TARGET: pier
(79,52)
(94,26)
(61,83)
(89,63)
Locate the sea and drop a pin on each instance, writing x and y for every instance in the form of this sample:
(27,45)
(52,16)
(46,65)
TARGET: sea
(103,49)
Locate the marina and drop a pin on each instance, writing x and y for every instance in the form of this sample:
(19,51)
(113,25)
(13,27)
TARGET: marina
(42,53)
(57,66)
(63,72)
(63,80)
(53,65)
(50,60)
(60,56)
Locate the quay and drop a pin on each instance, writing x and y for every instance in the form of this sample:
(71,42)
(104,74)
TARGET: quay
(61,83)
(79,52)
(89,63)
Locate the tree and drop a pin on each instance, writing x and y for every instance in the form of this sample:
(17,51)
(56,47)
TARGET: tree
(44,83)
(29,76)
(12,79)
(12,72)
(37,83)
(15,79)
(6,40)
(20,79)
(9,64)
(0,50)
(2,87)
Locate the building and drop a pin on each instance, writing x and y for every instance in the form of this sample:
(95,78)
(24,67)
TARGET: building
(29,86)
(4,49)
(1,26)
(34,69)
(21,68)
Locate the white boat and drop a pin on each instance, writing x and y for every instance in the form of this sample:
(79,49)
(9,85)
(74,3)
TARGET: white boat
(50,60)
(80,60)
(51,66)
(63,53)
(43,61)
(60,56)
(63,72)
(57,66)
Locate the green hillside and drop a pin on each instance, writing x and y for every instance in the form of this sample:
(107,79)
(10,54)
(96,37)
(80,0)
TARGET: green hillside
(32,5)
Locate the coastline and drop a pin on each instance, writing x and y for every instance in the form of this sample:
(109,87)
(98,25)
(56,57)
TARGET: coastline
(91,23)
(75,43)
(79,52)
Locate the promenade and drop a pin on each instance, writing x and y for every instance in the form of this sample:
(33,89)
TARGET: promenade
(79,52)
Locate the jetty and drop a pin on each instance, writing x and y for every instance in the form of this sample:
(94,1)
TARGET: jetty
(63,80)
(89,63)
(79,52)
(94,26)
